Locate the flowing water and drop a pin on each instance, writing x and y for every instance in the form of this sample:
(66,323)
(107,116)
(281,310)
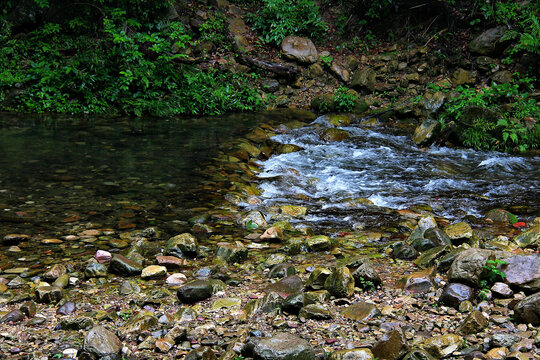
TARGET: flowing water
(389,170)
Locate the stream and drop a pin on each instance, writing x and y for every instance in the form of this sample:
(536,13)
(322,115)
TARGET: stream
(385,167)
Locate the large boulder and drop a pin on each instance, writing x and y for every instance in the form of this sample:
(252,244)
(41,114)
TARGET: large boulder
(283,346)
(490,42)
(529,238)
(468,267)
(299,49)
(528,310)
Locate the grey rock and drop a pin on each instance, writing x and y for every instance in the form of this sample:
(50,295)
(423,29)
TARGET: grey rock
(283,346)
(468,266)
(102,342)
(473,323)
(425,133)
(231,253)
(364,79)
(279,271)
(48,294)
(361,311)
(366,273)
(528,310)
(95,270)
(286,286)
(489,42)
(299,49)
(317,278)
(124,266)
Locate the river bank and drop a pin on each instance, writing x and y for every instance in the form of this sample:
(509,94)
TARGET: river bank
(228,278)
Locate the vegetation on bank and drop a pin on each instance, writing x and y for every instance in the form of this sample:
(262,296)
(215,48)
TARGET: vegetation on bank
(134,57)
(120,57)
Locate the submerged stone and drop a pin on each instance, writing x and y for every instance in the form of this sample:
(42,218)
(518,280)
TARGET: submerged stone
(231,252)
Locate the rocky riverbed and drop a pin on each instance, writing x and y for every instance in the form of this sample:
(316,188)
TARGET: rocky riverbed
(238,279)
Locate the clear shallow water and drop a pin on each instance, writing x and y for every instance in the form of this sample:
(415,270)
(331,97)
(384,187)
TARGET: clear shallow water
(392,172)
(110,172)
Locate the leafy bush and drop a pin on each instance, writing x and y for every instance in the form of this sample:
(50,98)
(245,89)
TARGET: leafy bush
(129,68)
(344,99)
(505,127)
(277,19)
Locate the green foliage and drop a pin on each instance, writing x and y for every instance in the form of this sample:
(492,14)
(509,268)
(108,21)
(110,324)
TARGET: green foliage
(130,67)
(366,285)
(491,275)
(277,19)
(344,99)
(327,60)
(509,131)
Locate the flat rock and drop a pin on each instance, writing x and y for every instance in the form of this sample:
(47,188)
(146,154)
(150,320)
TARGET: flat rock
(437,346)
(318,243)
(361,311)
(286,286)
(315,312)
(283,346)
(48,294)
(153,272)
(124,266)
(459,231)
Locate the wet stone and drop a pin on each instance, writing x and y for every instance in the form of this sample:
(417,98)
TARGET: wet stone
(418,355)
(473,323)
(195,291)
(366,273)
(455,293)
(315,312)
(283,346)
(286,286)
(318,243)
(14,239)
(102,342)
(459,231)
(55,272)
(203,353)
(403,251)
(361,311)
(340,283)
(95,270)
(294,211)
(253,219)
(529,238)
(441,346)
(61,281)
(164,345)
(183,245)
(429,257)
(129,287)
(503,340)
(281,270)
(48,294)
(124,266)
(170,262)
(176,279)
(231,252)
(392,346)
(293,303)
(12,317)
